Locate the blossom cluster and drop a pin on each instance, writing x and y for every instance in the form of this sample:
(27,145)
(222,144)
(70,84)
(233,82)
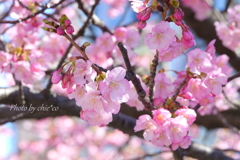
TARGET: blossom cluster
(229,32)
(165,130)
(163,39)
(107,50)
(65,24)
(98,99)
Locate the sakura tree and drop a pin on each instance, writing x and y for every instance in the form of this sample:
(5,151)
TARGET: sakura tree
(107,63)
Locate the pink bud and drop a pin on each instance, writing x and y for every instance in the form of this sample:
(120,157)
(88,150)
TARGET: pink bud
(141,24)
(56,77)
(187,35)
(145,14)
(67,22)
(15,58)
(186,95)
(178,22)
(178,14)
(70,29)
(60,30)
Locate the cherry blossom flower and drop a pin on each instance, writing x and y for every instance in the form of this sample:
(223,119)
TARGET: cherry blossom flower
(137,5)
(161,115)
(197,88)
(177,129)
(161,37)
(215,80)
(199,61)
(116,85)
(189,114)
(164,87)
(83,68)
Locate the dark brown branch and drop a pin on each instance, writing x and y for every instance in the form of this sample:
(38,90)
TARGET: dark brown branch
(69,107)
(202,152)
(153,70)
(130,75)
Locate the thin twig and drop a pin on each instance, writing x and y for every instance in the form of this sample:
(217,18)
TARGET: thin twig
(32,15)
(81,31)
(226,97)
(95,20)
(6,14)
(131,76)
(225,122)
(233,77)
(178,89)
(165,11)
(153,70)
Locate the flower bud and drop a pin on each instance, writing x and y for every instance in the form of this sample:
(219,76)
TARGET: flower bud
(178,14)
(56,77)
(67,22)
(70,29)
(60,30)
(145,14)
(174,3)
(101,77)
(141,24)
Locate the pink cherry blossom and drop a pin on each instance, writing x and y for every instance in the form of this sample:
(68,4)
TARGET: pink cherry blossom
(106,42)
(161,137)
(116,85)
(197,88)
(211,49)
(177,129)
(138,5)
(91,100)
(120,33)
(143,122)
(164,87)
(208,99)
(111,107)
(222,62)
(134,101)
(161,115)
(96,119)
(161,37)
(173,51)
(189,114)
(199,61)
(83,68)
(5,59)
(215,80)
(133,38)
(185,143)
